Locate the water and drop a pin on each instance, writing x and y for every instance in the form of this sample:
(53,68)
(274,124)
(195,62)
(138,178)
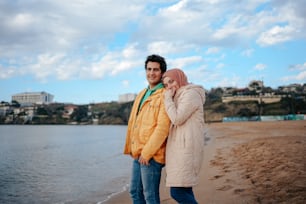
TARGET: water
(62,164)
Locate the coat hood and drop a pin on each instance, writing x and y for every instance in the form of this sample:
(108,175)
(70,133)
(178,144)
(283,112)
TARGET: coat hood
(198,88)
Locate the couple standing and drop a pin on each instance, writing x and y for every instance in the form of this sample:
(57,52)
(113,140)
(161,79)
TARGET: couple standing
(166,126)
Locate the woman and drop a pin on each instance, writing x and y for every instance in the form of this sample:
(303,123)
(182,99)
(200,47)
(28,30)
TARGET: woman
(184,151)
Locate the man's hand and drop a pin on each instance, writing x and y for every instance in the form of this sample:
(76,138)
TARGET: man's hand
(142,161)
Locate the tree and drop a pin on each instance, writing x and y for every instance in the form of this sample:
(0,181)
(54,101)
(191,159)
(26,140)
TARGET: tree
(42,111)
(214,95)
(15,104)
(80,114)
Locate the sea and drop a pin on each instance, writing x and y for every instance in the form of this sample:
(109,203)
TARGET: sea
(62,164)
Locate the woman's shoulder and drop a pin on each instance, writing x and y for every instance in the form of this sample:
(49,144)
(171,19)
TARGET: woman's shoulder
(193,88)
(193,92)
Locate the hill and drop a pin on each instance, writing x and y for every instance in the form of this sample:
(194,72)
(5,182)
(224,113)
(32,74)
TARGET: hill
(118,113)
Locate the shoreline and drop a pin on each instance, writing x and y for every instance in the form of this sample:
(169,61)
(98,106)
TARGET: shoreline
(248,162)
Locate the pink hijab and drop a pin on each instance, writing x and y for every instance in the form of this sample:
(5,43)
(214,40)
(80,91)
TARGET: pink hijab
(177,75)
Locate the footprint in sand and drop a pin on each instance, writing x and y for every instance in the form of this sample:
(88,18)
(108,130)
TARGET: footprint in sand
(216,177)
(225,188)
(238,190)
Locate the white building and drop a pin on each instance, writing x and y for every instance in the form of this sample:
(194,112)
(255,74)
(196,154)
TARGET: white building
(33,97)
(124,98)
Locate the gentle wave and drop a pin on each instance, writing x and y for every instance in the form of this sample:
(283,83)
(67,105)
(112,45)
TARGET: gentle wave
(125,188)
(62,164)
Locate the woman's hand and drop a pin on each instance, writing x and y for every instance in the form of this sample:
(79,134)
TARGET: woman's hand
(169,93)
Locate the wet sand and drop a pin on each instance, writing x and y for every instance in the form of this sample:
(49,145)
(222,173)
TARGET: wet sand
(249,162)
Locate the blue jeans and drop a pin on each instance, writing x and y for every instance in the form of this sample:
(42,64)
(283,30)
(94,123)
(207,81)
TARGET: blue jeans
(145,182)
(183,195)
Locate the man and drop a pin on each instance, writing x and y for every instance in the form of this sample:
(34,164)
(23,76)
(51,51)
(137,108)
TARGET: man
(147,131)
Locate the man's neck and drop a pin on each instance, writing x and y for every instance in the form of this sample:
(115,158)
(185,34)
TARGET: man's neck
(152,86)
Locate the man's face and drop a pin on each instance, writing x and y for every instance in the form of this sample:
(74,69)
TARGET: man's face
(153,73)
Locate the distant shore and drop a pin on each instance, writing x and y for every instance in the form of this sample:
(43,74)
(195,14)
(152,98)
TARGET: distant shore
(248,162)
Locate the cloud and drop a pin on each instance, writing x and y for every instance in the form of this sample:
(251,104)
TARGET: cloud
(199,75)
(231,81)
(114,63)
(125,83)
(299,76)
(61,25)
(212,50)
(185,62)
(298,67)
(79,39)
(276,35)
(247,52)
(260,67)
(21,21)
(7,72)
(167,47)
(43,68)
(220,66)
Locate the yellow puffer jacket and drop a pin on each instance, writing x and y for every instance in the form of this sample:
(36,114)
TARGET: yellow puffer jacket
(148,130)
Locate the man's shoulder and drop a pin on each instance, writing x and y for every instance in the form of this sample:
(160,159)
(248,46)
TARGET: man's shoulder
(158,95)
(160,90)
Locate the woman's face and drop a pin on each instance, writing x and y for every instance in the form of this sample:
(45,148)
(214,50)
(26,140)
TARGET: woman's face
(170,84)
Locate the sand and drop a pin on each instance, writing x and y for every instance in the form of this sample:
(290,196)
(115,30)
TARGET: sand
(249,162)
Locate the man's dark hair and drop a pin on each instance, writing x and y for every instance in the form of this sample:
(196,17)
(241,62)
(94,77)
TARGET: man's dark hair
(158,59)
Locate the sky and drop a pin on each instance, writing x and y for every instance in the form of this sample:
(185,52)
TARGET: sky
(92,51)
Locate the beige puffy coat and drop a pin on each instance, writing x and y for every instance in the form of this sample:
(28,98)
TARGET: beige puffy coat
(185,144)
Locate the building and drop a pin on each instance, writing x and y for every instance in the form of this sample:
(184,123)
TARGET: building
(291,88)
(33,98)
(124,98)
(256,86)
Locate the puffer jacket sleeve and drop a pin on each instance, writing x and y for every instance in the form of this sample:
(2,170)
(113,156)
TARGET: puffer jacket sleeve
(160,134)
(188,103)
(127,147)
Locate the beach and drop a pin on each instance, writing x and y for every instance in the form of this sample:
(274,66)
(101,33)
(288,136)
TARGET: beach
(248,162)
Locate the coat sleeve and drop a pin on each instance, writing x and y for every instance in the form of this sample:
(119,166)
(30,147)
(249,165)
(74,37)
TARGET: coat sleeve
(188,102)
(160,134)
(127,146)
